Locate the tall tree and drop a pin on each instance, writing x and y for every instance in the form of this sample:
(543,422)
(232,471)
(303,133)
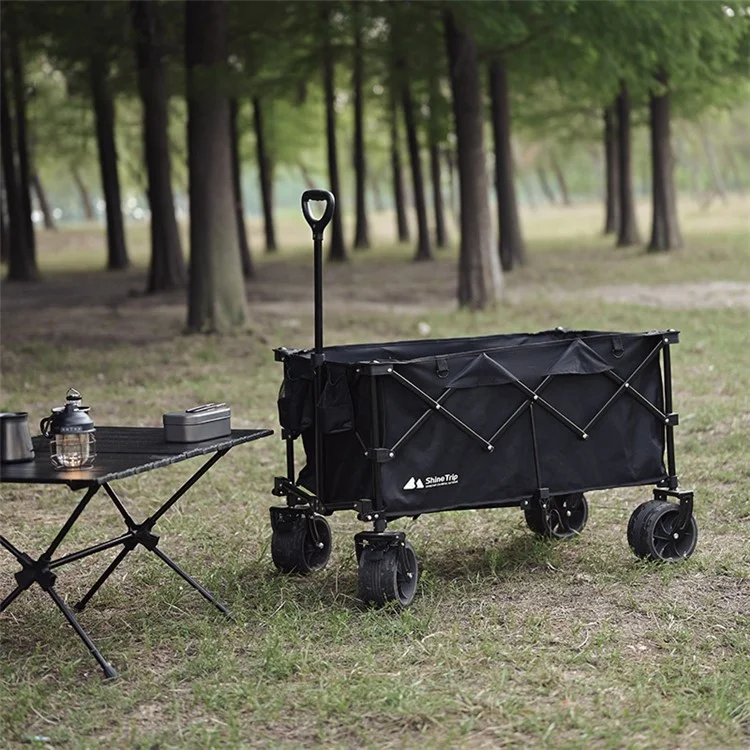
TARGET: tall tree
(511,245)
(424,246)
(216,299)
(450,161)
(21,129)
(265,171)
(665,227)
(86,204)
(479,273)
(21,265)
(239,203)
(361,229)
(399,199)
(628,230)
(104,112)
(4,228)
(167,265)
(611,179)
(337,248)
(441,232)
(44,207)
(562,183)
(549,193)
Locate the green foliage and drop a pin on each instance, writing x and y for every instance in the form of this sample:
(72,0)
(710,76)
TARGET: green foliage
(564,60)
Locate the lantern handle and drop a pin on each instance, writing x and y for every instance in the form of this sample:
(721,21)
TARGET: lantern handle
(44,427)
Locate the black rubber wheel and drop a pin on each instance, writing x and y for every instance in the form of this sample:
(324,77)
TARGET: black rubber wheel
(655,536)
(567,516)
(388,575)
(635,516)
(302,546)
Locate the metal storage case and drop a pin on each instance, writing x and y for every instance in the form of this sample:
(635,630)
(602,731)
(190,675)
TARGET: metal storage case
(199,423)
(530,420)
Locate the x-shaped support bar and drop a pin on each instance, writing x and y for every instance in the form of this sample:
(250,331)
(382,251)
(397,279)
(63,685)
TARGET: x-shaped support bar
(533,397)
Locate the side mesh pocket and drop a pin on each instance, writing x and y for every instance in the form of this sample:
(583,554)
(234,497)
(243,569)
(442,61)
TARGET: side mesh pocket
(335,407)
(295,404)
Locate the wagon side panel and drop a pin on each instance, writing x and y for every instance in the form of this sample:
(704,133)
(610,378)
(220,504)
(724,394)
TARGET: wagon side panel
(499,425)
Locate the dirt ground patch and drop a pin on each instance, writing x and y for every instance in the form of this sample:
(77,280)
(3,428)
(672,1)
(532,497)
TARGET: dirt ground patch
(284,289)
(676,296)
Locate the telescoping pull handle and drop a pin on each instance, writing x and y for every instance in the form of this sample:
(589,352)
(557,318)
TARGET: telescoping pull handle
(318,225)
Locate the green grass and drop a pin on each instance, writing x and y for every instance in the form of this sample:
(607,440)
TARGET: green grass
(511,641)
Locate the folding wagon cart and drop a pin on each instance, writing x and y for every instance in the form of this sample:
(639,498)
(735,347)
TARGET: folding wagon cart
(527,420)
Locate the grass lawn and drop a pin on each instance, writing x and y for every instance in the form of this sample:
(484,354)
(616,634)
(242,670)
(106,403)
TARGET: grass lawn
(511,641)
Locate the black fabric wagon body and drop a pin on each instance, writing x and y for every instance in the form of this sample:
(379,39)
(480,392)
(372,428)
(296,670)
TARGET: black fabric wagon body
(411,427)
(479,422)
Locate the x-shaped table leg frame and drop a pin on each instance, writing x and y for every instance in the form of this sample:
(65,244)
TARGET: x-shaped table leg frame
(41,571)
(142,534)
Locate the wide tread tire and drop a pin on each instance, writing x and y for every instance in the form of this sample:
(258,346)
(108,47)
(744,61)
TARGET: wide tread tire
(654,530)
(568,516)
(388,575)
(295,548)
(634,520)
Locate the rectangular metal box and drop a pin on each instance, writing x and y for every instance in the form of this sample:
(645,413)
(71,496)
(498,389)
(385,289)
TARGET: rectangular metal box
(205,422)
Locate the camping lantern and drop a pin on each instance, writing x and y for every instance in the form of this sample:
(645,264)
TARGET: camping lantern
(71,433)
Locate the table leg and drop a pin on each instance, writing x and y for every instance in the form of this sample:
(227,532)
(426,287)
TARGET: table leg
(69,523)
(11,597)
(102,578)
(107,668)
(206,594)
(13,551)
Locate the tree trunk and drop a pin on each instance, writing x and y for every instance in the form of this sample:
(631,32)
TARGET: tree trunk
(561,182)
(424,246)
(377,194)
(665,227)
(402,224)
(450,160)
(104,112)
(41,196)
(265,170)
(628,230)
(337,248)
(21,265)
(167,265)
(22,144)
(441,234)
(512,249)
(549,194)
(239,205)
(479,273)
(83,192)
(361,230)
(611,178)
(306,176)
(4,228)
(216,299)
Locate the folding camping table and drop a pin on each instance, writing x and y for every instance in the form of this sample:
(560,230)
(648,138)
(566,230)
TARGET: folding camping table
(121,452)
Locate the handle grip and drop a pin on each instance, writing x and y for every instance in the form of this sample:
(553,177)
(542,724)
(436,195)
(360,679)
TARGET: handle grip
(318,225)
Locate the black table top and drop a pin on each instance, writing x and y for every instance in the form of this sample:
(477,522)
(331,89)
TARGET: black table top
(120,452)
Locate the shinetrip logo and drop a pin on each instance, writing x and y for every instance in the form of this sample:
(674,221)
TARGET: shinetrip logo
(417,483)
